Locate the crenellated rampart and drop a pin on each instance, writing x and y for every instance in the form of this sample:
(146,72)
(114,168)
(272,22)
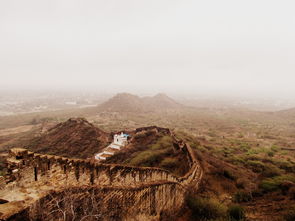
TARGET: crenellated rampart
(37,167)
(143,192)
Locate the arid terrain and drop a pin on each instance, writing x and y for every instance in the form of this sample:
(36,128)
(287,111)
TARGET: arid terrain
(150,110)
(248,156)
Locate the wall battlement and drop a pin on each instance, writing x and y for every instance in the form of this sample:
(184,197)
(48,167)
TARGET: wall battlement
(34,167)
(64,174)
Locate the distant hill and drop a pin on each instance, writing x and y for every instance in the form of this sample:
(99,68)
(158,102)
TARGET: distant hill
(287,116)
(76,138)
(288,112)
(125,102)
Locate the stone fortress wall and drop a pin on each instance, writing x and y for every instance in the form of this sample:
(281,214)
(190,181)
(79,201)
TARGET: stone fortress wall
(151,190)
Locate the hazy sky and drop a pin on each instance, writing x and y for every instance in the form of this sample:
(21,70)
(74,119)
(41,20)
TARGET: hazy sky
(223,46)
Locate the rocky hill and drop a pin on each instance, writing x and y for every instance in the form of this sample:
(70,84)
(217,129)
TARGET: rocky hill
(125,102)
(76,138)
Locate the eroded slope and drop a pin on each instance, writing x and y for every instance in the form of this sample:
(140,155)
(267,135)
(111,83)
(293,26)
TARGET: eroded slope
(75,138)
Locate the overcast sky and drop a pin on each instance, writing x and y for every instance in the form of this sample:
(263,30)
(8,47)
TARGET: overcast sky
(188,45)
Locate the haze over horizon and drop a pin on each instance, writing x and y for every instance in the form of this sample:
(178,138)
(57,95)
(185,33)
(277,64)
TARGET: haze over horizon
(215,47)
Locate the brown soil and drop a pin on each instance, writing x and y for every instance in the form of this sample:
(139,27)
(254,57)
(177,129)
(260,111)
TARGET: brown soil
(75,138)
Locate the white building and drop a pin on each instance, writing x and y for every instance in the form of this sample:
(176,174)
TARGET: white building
(120,139)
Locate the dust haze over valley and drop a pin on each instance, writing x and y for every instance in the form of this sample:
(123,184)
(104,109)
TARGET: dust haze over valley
(213,48)
(202,93)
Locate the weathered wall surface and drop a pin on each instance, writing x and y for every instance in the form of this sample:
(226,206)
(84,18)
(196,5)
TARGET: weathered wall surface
(106,203)
(129,193)
(38,167)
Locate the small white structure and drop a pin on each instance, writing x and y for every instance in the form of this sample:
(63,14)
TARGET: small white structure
(115,146)
(120,140)
(108,153)
(100,157)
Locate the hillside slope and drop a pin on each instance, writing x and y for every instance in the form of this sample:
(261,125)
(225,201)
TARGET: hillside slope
(76,138)
(153,148)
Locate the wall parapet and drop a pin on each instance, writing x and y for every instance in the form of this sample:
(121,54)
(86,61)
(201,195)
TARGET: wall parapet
(46,166)
(87,172)
(142,192)
(145,202)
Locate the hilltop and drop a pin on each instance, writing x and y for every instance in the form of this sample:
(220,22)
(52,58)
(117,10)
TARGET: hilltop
(75,138)
(125,102)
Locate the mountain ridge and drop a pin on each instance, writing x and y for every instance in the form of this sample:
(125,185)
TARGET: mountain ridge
(126,102)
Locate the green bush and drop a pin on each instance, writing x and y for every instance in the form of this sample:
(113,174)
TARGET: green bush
(275,148)
(166,141)
(253,157)
(201,148)
(147,158)
(236,213)
(244,147)
(155,153)
(163,143)
(193,145)
(205,209)
(252,152)
(2,172)
(273,184)
(270,153)
(269,185)
(237,160)
(286,165)
(155,146)
(255,165)
(169,162)
(271,171)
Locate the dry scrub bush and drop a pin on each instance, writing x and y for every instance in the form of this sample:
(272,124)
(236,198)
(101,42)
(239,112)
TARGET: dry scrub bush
(205,209)
(236,213)
(275,183)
